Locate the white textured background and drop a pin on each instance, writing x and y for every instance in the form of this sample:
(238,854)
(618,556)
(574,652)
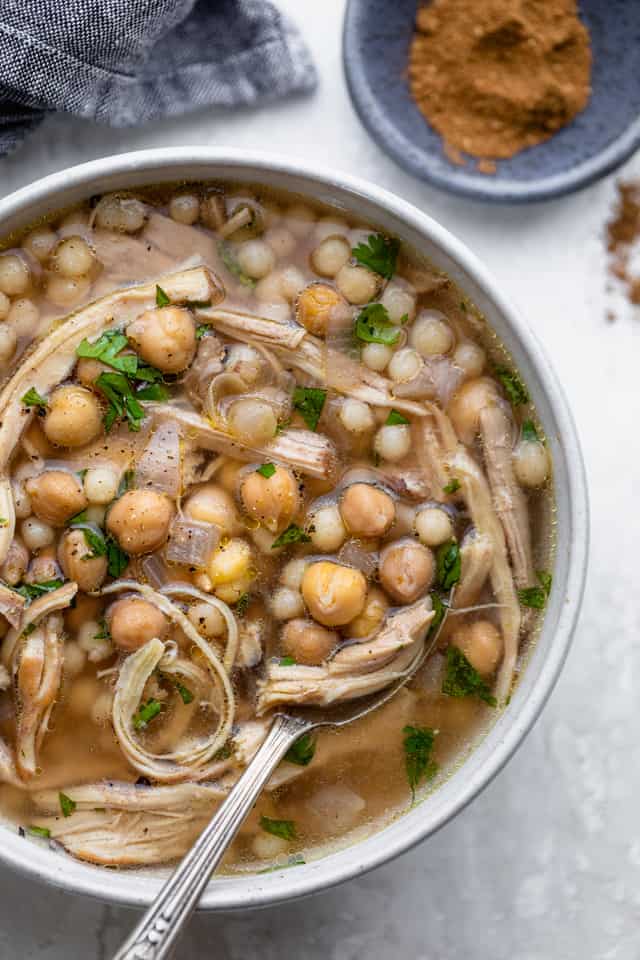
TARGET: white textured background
(545,865)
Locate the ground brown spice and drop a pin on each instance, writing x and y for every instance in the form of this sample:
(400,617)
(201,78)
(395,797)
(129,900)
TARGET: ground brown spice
(623,235)
(496,76)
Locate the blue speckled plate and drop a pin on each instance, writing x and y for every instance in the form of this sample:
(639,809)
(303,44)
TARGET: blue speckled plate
(375,48)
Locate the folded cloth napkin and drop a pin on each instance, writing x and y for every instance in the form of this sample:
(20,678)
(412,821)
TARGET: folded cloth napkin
(124,62)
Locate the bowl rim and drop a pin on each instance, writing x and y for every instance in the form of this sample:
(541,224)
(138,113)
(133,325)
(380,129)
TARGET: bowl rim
(422,164)
(134,888)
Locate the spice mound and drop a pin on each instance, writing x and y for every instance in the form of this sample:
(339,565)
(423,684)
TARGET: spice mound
(497,76)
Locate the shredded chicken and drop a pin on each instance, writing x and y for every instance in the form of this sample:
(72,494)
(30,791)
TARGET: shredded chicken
(12,606)
(38,675)
(58,599)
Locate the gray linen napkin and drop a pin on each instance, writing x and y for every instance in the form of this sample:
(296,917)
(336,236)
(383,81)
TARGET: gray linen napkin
(124,62)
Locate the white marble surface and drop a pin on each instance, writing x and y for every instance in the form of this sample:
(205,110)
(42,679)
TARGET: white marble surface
(545,865)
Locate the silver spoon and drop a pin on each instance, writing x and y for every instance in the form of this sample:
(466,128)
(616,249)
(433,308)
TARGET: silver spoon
(154,937)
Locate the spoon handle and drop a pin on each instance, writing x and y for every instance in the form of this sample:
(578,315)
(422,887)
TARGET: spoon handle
(155,935)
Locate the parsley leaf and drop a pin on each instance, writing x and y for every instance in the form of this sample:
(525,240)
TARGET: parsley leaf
(293,534)
(395,418)
(147,712)
(126,482)
(67,805)
(162,300)
(418,744)
(287,662)
(229,259)
(279,828)
(301,753)
(43,832)
(461,679)
(117,559)
(529,432)
(536,597)
(379,254)
(201,330)
(122,402)
(33,399)
(185,694)
(155,391)
(513,386)
(439,610)
(107,348)
(242,604)
(266,470)
(448,565)
(96,542)
(373,325)
(452,487)
(78,518)
(33,590)
(309,401)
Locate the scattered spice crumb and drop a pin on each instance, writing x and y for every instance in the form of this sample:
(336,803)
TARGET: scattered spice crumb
(623,238)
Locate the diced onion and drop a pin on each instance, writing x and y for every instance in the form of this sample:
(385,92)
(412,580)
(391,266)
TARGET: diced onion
(159,465)
(191,542)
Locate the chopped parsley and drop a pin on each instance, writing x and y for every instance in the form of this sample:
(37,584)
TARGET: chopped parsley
(439,611)
(394,419)
(373,325)
(148,711)
(104,632)
(185,694)
(309,401)
(279,828)
(33,399)
(301,753)
(293,534)
(31,591)
(107,348)
(126,482)
(242,604)
(122,402)
(536,597)
(117,559)
(448,565)
(529,432)
(461,679)
(201,330)
(418,745)
(78,518)
(295,860)
(96,542)
(379,254)
(28,630)
(452,487)
(67,805)
(229,259)
(4,522)
(513,386)
(287,662)
(162,300)
(43,832)
(266,470)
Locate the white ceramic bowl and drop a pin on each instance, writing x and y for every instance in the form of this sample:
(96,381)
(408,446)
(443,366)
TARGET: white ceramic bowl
(394,215)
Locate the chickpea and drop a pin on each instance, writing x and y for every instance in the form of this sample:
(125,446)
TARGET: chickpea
(67,291)
(431,335)
(281,240)
(467,405)
(21,500)
(406,570)
(256,258)
(433,526)
(140,520)
(73,257)
(211,504)
(299,219)
(133,621)
(404,365)
(88,370)
(269,289)
(43,566)
(184,208)
(272,500)
(15,563)
(470,357)
(96,513)
(531,463)
(332,226)
(40,243)
(120,214)
(230,562)
(37,534)
(319,306)
(292,573)
(292,281)
(254,421)
(307,642)
(334,594)
(286,604)
(393,442)
(330,255)
(24,317)
(56,495)
(367,511)
(165,337)
(246,361)
(376,356)
(481,644)
(232,591)
(78,562)
(326,529)
(5,306)
(15,276)
(399,298)
(74,223)
(8,343)
(356,416)
(100,484)
(357,284)
(371,618)
(73,417)
(86,608)
(207,620)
